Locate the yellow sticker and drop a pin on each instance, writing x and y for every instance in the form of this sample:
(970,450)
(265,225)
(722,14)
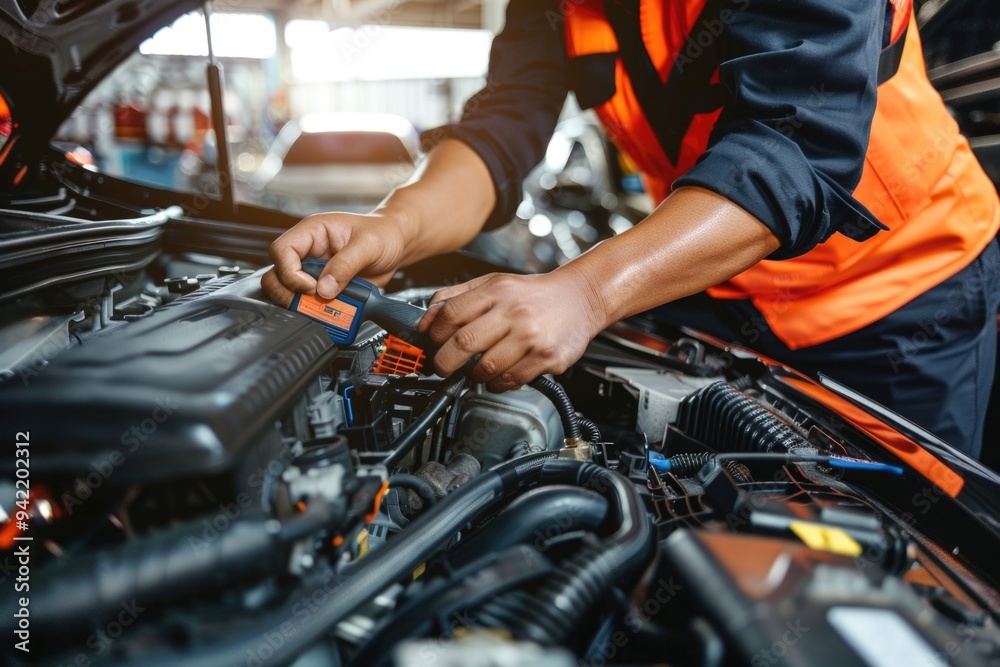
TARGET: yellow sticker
(419,571)
(826,538)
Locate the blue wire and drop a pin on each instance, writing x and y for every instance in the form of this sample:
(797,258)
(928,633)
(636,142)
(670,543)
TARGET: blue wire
(347,404)
(662,464)
(858,464)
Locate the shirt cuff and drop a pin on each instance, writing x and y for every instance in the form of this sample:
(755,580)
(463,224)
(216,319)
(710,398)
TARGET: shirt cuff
(765,172)
(508,192)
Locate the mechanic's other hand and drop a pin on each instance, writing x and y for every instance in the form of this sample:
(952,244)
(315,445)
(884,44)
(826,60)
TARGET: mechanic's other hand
(370,246)
(524,326)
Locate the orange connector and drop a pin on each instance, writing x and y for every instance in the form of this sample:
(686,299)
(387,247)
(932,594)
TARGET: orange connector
(399,358)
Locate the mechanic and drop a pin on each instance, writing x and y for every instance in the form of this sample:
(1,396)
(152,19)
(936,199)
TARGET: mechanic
(801,213)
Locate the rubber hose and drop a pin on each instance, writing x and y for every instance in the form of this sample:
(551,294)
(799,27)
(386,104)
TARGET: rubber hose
(418,484)
(541,616)
(624,553)
(687,464)
(442,597)
(590,429)
(73,593)
(523,448)
(533,517)
(396,560)
(555,393)
(417,430)
(551,615)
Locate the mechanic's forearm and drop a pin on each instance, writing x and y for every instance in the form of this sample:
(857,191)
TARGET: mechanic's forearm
(694,240)
(445,204)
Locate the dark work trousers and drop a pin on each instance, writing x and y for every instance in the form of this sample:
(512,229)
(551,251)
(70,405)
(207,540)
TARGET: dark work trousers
(932,360)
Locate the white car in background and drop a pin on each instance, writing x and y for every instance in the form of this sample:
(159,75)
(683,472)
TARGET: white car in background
(348,161)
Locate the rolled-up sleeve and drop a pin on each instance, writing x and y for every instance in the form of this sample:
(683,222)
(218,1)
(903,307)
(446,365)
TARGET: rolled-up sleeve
(510,121)
(800,91)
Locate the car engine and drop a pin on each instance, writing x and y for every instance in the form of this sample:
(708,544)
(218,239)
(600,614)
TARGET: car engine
(214,482)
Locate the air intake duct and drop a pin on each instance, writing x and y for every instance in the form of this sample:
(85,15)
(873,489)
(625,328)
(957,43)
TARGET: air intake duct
(728,420)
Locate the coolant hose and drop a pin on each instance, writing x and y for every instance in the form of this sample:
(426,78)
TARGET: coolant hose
(534,518)
(555,393)
(417,484)
(624,553)
(551,615)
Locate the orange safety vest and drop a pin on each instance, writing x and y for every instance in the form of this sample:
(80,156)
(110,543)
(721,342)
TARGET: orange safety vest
(920,179)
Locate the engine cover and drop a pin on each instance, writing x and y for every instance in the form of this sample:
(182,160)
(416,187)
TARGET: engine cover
(180,393)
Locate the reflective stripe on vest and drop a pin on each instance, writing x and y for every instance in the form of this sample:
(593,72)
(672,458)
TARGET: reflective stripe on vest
(920,177)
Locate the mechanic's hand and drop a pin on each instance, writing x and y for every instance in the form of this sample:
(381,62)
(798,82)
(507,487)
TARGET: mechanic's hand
(370,246)
(524,326)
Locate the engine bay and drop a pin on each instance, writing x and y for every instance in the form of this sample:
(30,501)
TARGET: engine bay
(214,482)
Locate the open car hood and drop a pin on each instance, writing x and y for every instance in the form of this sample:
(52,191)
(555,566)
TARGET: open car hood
(54,53)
